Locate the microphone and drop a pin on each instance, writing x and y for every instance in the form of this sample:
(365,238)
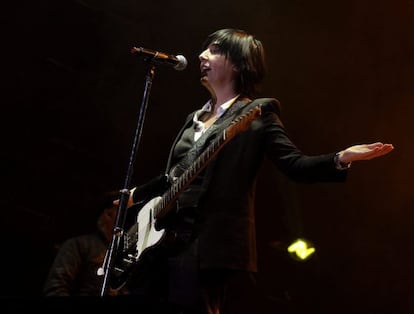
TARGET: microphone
(178,62)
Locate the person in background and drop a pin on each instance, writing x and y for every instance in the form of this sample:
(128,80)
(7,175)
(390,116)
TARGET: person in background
(74,271)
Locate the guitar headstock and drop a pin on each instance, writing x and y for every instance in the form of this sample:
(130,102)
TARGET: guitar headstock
(243,122)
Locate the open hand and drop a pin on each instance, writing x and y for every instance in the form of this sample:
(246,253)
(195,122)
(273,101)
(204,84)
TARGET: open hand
(364,152)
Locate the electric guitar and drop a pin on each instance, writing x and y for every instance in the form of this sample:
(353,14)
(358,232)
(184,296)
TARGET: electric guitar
(145,239)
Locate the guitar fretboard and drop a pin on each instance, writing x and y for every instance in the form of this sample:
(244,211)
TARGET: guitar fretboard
(182,182)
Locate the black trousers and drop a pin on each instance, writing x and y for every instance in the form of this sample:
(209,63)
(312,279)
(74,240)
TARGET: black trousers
(176,285)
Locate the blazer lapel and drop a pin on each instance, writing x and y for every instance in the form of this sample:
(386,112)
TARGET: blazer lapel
(225,119)
(211,132)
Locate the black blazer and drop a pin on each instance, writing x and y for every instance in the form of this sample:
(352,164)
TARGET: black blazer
(226,219)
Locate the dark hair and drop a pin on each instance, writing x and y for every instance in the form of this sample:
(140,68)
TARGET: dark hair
(246,53)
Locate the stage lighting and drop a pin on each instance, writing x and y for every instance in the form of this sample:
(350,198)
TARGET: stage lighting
(301,249)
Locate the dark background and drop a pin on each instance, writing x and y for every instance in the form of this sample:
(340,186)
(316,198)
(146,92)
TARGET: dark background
(343,71)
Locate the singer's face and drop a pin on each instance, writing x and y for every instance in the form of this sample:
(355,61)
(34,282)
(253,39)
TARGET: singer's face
(216,69)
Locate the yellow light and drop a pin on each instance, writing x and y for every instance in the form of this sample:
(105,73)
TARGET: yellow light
(301,249)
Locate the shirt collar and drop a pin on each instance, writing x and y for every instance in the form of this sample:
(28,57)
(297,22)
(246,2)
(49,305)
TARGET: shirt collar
(208,107)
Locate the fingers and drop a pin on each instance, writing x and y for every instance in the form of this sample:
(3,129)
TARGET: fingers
(130,199)
(380,150)
(386,149)
(380,145)
(376,145)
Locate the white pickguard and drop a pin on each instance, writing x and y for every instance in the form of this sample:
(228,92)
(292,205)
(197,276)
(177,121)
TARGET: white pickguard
(148,236)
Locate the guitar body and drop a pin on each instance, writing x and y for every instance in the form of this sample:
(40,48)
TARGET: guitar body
(143,244)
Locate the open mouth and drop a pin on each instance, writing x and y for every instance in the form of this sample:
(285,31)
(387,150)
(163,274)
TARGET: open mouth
(204,72)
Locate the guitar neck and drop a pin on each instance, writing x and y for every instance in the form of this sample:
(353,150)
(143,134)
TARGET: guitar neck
(182,182)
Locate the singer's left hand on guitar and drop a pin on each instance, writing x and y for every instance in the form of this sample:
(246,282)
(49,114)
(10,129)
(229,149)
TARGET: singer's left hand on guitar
(130,199)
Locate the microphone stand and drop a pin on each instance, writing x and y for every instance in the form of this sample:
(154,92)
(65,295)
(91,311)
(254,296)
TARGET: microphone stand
(125,193)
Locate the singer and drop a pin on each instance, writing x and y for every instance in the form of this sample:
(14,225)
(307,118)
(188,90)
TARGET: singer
(213,217)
